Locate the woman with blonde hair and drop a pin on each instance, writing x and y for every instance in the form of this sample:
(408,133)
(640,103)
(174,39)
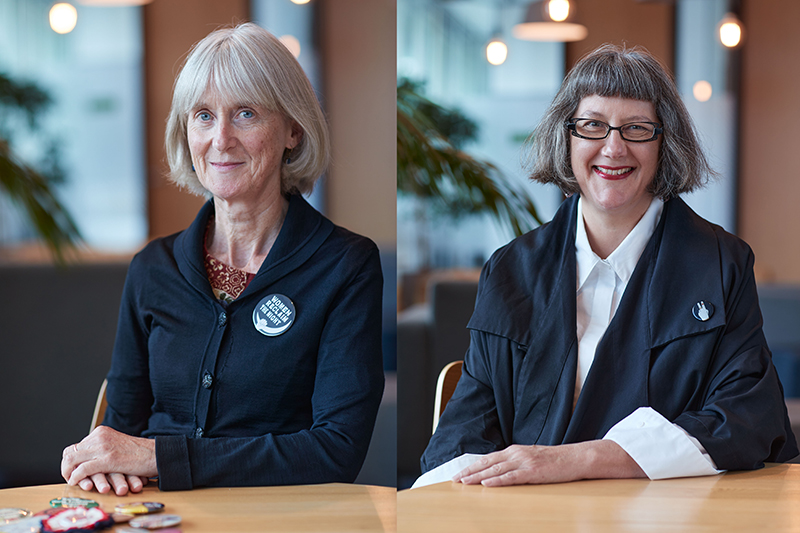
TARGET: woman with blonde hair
(248,350)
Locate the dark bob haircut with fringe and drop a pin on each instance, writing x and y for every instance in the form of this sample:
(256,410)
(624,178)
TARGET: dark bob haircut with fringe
(613,71)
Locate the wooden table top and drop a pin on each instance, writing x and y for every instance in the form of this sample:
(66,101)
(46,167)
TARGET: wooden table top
(760,500)
(332,507)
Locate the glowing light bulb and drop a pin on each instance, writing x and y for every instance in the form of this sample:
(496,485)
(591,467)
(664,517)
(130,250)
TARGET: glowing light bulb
(496,52)
(702,91)
(300,2)
(558,10)
(730,31)
(63,18)
(291,42)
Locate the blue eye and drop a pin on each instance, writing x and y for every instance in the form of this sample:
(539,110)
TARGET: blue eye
(204,116)
(247,114)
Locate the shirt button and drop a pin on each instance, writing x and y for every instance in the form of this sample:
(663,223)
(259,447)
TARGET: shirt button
(208,380)
(198,433)
(223,319)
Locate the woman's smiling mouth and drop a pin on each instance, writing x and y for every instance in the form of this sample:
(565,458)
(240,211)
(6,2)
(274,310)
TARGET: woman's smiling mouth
(613,173)
(224,165)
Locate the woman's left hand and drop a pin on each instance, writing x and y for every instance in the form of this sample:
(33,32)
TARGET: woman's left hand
(518,465)
(120,483)
(109,458)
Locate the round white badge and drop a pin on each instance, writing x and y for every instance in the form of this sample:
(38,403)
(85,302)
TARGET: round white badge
(273,315)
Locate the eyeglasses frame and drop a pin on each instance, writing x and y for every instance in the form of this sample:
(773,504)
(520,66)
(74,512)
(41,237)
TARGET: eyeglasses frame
(571,124)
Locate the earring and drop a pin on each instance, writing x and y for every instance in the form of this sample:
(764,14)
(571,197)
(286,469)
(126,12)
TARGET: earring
(288,156)
(193,168)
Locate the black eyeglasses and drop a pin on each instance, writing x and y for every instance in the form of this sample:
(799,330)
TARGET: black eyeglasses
(637,132)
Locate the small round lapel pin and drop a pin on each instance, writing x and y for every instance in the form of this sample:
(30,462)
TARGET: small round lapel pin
(702,310)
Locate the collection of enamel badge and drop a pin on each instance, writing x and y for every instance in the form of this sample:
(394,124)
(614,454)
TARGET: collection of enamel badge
(72,515)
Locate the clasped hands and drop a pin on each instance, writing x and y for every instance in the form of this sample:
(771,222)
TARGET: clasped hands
(108,459)
(518,464)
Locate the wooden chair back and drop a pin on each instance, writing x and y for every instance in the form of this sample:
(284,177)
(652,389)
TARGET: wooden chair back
(99,407)
(445,386)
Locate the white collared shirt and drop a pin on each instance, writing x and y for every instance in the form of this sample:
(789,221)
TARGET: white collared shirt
(660,448)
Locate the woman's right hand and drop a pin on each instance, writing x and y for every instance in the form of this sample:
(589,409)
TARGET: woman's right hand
(519,465)
(107,458)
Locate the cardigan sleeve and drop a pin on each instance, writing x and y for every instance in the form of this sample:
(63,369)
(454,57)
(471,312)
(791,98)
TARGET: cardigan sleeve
(347,392)
(129,395)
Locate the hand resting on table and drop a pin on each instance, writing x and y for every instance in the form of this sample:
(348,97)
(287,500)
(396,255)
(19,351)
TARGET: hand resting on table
(518,465)
(107,458)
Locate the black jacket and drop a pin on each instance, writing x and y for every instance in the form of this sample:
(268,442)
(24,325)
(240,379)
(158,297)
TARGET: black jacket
(715,378)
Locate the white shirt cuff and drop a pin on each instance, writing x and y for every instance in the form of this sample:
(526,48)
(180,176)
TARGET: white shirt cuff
(446,471)
(661,449)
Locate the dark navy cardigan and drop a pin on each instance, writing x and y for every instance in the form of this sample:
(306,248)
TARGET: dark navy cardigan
(715,379)
(229,406)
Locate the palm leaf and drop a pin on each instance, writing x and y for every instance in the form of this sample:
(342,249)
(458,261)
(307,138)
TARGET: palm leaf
(32,192)
(430,165)
(27,187)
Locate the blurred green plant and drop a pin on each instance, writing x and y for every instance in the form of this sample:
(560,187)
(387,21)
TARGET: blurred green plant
(28,187)
(431,164)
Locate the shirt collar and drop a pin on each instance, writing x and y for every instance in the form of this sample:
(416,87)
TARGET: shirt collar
(622,260)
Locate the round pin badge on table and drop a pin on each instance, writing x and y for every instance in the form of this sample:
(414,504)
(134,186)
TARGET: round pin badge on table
(11,514)
(139,508)
(121,518)
(139,530)
(68,503)
(702,310)
(156,521)
(23,525)
(77,519)
(273,315)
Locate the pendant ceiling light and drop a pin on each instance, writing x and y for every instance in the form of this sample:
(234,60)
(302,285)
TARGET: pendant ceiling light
(63,18)
(551,20)
(730,30)
(496,50)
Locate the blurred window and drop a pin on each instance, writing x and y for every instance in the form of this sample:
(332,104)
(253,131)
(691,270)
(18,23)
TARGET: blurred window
(707,76)
(441,46)
(294,24)
(94,126)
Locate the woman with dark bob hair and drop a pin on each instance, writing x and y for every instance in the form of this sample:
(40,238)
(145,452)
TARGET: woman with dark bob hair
(623,338)
(248,349)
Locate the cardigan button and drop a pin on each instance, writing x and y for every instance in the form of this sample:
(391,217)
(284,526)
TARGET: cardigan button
(198,432)
(223,319)
(208,380)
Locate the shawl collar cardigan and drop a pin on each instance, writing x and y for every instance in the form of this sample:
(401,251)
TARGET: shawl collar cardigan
(229,406)
(715,378)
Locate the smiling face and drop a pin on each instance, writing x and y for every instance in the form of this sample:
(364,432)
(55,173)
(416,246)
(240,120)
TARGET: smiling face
(613,174)
(237,149)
